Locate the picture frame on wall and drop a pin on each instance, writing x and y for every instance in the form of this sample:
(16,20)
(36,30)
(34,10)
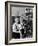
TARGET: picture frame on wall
(20,22)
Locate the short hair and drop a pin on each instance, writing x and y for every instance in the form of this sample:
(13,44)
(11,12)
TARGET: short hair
(17,17)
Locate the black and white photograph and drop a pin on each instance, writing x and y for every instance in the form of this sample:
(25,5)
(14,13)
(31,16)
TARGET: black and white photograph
(20,22)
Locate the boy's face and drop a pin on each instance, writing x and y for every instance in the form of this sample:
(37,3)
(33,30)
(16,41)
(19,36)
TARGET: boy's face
(16,20)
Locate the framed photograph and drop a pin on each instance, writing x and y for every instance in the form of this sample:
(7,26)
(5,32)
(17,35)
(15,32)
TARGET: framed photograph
(20,22)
